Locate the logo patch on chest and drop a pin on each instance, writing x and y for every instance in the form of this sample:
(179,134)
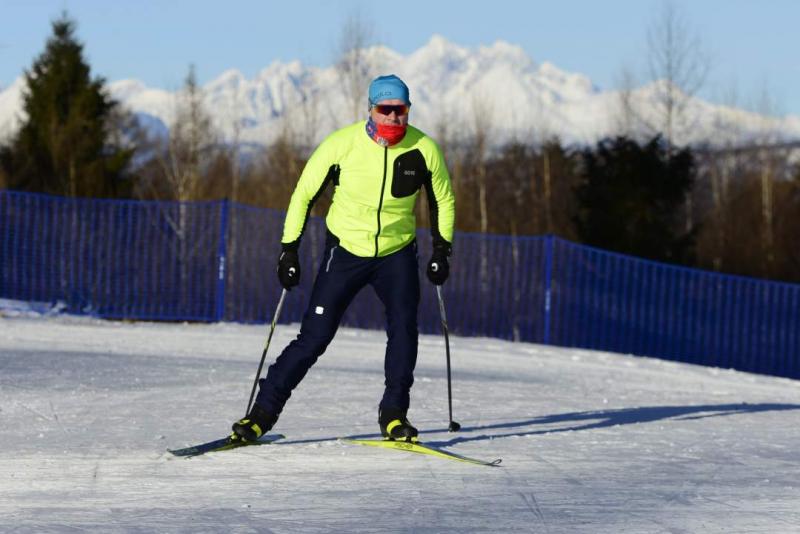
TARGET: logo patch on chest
(410,171)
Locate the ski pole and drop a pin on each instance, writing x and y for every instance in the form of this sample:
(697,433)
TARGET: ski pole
(266,347)
(454,427)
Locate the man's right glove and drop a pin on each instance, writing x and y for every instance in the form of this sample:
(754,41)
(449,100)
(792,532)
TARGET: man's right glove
(439,267)
(289,267)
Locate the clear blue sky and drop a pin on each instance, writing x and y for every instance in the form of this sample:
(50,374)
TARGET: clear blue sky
(754,45)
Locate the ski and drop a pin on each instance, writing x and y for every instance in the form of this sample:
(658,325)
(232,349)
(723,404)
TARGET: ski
(421,448)
(224,444)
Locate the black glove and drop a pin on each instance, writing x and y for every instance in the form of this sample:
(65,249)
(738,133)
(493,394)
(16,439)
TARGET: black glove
(438,267)
(289,267)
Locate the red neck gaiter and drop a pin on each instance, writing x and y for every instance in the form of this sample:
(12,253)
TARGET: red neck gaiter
(386,134)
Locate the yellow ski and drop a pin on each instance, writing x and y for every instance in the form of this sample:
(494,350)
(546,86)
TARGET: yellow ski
(420,448)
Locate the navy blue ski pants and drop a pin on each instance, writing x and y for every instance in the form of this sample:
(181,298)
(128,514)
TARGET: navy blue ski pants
(341,276)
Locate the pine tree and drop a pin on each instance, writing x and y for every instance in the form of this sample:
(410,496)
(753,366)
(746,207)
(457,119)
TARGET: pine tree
(64,145)
(630,199)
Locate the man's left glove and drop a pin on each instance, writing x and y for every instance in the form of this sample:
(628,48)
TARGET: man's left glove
(289,268)
(439,267)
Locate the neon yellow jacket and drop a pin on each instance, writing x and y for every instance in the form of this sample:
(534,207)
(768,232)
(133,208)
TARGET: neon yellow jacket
(375,189)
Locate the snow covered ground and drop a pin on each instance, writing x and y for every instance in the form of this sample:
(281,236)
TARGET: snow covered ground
(590,442)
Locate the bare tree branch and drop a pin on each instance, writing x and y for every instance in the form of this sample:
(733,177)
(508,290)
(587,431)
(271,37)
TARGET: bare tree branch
(679,65)
(353,66)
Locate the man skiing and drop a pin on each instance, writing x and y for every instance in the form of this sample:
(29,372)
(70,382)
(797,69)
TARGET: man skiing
(377,168)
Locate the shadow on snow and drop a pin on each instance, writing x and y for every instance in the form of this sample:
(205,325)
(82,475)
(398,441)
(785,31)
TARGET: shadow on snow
(577,421)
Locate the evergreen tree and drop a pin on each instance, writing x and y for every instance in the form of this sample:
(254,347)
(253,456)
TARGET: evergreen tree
(64,145)
(630,199)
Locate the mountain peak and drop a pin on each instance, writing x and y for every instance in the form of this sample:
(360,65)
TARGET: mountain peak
(438,44)
(447,82)
(509,52)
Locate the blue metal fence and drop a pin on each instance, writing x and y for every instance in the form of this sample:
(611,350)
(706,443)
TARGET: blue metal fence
(214,261)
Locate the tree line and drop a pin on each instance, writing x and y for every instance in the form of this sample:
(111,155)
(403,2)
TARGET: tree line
(730,209)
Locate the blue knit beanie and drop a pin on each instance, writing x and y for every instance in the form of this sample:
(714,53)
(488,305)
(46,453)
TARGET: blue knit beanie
(388,88)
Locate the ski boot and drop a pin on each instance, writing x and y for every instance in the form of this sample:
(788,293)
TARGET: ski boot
(395,425)
(254,425)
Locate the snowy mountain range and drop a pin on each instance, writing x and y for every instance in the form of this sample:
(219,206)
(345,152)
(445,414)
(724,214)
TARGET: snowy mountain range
(454,87)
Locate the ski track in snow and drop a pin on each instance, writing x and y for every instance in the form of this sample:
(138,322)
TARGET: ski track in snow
(591,442)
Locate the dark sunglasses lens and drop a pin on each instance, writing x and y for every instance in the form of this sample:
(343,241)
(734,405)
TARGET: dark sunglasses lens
(401,109)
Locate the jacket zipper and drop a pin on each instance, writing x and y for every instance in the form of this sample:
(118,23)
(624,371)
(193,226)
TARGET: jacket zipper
(380,201)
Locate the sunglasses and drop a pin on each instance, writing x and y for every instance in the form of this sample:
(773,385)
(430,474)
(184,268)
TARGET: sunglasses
(386,109)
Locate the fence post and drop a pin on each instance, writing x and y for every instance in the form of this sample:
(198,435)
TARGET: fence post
(6,287)
(548,280)
(222,248)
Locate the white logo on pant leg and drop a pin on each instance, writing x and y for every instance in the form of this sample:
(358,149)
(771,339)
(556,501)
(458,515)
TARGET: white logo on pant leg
(320,310)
